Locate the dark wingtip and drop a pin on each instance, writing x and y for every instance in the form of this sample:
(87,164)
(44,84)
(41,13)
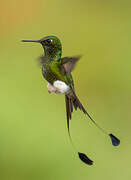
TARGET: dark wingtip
(115,141)
(85,159)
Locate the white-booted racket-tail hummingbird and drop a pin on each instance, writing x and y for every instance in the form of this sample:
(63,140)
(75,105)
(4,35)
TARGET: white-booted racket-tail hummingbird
(57,71)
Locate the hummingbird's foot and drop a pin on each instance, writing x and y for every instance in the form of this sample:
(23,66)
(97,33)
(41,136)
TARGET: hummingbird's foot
(56,90)
(52,89)
(49,91)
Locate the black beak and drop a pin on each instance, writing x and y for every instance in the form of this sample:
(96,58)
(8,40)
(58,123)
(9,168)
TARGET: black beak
(38,41)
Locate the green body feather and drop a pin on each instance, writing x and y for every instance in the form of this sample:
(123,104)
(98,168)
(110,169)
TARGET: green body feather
(54,70)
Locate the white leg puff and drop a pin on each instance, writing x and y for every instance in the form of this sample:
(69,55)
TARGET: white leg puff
(61,86)
(58,87)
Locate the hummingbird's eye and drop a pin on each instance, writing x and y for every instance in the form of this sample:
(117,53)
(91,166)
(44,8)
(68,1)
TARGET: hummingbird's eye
(49,41)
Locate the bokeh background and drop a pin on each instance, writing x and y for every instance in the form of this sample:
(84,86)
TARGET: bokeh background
(34,142)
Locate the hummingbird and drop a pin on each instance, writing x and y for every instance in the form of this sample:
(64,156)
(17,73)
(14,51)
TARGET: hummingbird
(57,72)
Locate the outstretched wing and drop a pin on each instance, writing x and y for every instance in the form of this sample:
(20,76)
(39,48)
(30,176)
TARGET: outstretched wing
(69,63)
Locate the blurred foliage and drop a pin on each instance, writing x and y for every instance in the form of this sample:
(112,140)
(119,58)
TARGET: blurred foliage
(33,134)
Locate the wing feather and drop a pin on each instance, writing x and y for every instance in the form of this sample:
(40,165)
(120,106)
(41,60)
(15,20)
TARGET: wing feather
(42,60)
(69,63)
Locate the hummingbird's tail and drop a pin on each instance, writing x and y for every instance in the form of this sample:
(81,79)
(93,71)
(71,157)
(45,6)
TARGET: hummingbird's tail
(75,102)
(72,101)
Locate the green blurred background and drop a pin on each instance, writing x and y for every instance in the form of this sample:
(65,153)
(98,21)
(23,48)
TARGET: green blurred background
(34,142)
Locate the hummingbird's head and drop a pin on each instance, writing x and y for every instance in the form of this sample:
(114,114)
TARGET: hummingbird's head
(52,46)
(50,41)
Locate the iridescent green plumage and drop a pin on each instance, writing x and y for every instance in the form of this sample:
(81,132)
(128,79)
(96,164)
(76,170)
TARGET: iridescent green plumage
(53,68)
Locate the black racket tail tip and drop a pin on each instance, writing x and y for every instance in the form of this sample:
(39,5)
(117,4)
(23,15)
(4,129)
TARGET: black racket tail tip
(115,141)
(85,159)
